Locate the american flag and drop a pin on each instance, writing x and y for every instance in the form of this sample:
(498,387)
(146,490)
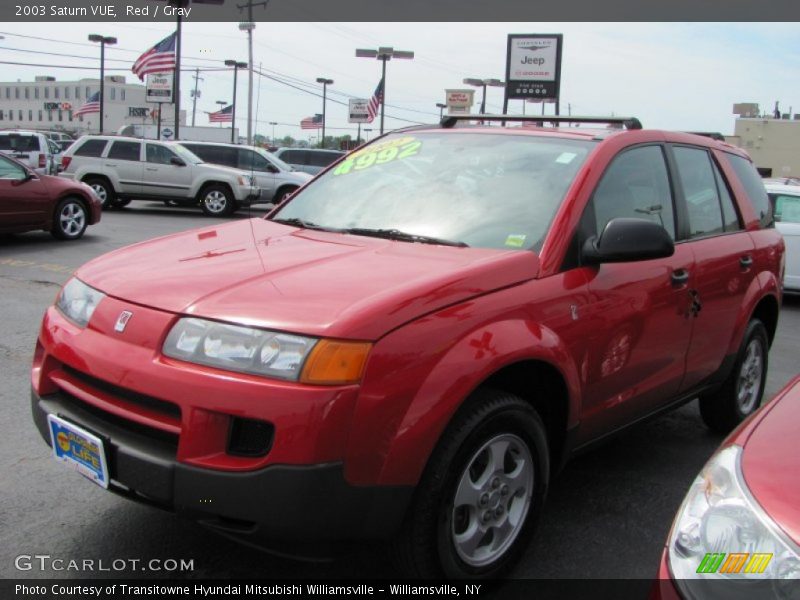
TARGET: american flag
(222,116)
(314,122)
(158,59)
(375,101)
(92,105)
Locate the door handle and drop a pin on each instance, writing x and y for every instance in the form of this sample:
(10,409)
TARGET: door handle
(680,277)
(110,165)
(150,169)
(746,261)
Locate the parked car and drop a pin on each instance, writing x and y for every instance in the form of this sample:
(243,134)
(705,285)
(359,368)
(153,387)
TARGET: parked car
(121,169)
(785,200)
(32,148)
(412,343)
(308,160)
(737,533)
(30,201)
(275,178)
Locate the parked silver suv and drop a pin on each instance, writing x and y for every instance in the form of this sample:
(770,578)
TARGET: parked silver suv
(275,178)
(121,169)
(32,148)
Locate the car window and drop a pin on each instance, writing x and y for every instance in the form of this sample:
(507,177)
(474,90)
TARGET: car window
(484,190)
(10,170)
(54,148)
(321,159)
(730,216)
(159,154)
(294,157)
(125,150)
(91,148)
(787,208)
(250,160)
(635,185)
(19,143)
(696,178)
(754,187)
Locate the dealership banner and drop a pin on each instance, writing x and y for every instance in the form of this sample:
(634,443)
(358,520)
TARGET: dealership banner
(459,101)
(159,88)
(533,66)
(358,111)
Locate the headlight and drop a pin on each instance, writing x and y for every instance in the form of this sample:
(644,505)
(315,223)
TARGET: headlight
(77,301)
(722,534)
(268,353)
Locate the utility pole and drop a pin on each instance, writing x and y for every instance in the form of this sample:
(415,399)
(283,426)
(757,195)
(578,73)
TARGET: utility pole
(248,26)
(195,93)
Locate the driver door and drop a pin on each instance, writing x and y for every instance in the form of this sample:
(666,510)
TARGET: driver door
(163,178)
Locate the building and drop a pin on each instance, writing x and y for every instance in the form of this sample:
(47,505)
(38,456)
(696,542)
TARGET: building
(49,104)
(773,142)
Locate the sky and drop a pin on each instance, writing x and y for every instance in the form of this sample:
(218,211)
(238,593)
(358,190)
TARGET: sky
(681,76)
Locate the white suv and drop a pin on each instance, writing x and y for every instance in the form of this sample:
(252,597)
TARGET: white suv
(121,169)
(32,148)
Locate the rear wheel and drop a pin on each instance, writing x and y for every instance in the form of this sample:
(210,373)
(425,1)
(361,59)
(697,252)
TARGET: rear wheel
(121,202)
(480,496)
(743,390)
(69,219)
(104,190)
(217,201)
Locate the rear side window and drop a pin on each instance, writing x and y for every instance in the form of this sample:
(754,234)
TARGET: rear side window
(125,150)
(636,185)
(699,185)
(321,159)
(754,187)
(787,208)
(216,155)
(294,157)
(91,148)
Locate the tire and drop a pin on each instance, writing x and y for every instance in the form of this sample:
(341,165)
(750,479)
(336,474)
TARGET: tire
(743,390)
(282,193)
(69,219)
(121,202)
(182,202)
(468,521)
(217,201)
(104,190)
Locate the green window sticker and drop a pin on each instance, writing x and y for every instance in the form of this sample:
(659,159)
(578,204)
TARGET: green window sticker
(515,240)
(379,154)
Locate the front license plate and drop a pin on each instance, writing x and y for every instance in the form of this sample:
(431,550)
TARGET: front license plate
(79,450)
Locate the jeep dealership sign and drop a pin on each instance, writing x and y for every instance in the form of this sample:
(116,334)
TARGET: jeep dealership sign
(159,87)
(533,66)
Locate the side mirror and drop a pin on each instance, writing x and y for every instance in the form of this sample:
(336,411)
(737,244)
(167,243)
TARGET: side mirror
(178,162)
(25,179)
(628,240)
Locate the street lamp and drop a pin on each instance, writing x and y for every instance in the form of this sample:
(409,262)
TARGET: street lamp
(482,83)
(383,54)
(103,40)
(222,104)
(325,83)
(441,108)
(273,123)
(236,66)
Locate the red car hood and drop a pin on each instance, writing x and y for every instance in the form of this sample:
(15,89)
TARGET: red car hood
(770,462)
(270,275)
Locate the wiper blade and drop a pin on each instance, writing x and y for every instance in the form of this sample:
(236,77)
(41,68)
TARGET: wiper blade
(403,236)
(297,222)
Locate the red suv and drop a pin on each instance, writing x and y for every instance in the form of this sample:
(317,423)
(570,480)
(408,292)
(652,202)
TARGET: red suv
(409,346)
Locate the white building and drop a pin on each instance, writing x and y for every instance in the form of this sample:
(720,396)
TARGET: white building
(48,104)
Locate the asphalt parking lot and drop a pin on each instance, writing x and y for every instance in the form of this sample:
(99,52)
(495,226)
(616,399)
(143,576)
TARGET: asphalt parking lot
(607,515)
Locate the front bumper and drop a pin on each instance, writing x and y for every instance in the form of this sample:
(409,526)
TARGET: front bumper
(277,503)
(247,196)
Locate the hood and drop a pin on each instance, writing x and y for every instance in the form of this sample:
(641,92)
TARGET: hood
(770,462)
(270,275)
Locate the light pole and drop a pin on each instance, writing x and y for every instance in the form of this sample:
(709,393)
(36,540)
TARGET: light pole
(441,108)
(236,66)
(383,54)
(273,123)
(103,40)
(221,103)
(325,83)
(482,83)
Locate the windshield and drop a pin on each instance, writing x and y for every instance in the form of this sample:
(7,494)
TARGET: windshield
(480,190)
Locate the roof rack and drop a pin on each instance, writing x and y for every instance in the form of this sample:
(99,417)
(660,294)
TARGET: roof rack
(709,134)
(627,122)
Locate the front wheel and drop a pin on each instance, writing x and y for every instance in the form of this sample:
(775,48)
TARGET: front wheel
(69,219)
(104,191)
(477,504)
(283,193)
(743,390)
(217,201)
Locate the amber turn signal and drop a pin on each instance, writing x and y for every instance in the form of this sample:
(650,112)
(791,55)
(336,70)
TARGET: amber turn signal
(335,362)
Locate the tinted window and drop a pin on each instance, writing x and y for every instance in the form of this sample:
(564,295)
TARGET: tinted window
(159,154)
(10,169)
(787,208)
(91,148)
(19,143)
(636,185)
(754,187)
(699,185)
(294,157)
(125,150)
(216,155)
(730,217)
(249,160)
(321,159)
